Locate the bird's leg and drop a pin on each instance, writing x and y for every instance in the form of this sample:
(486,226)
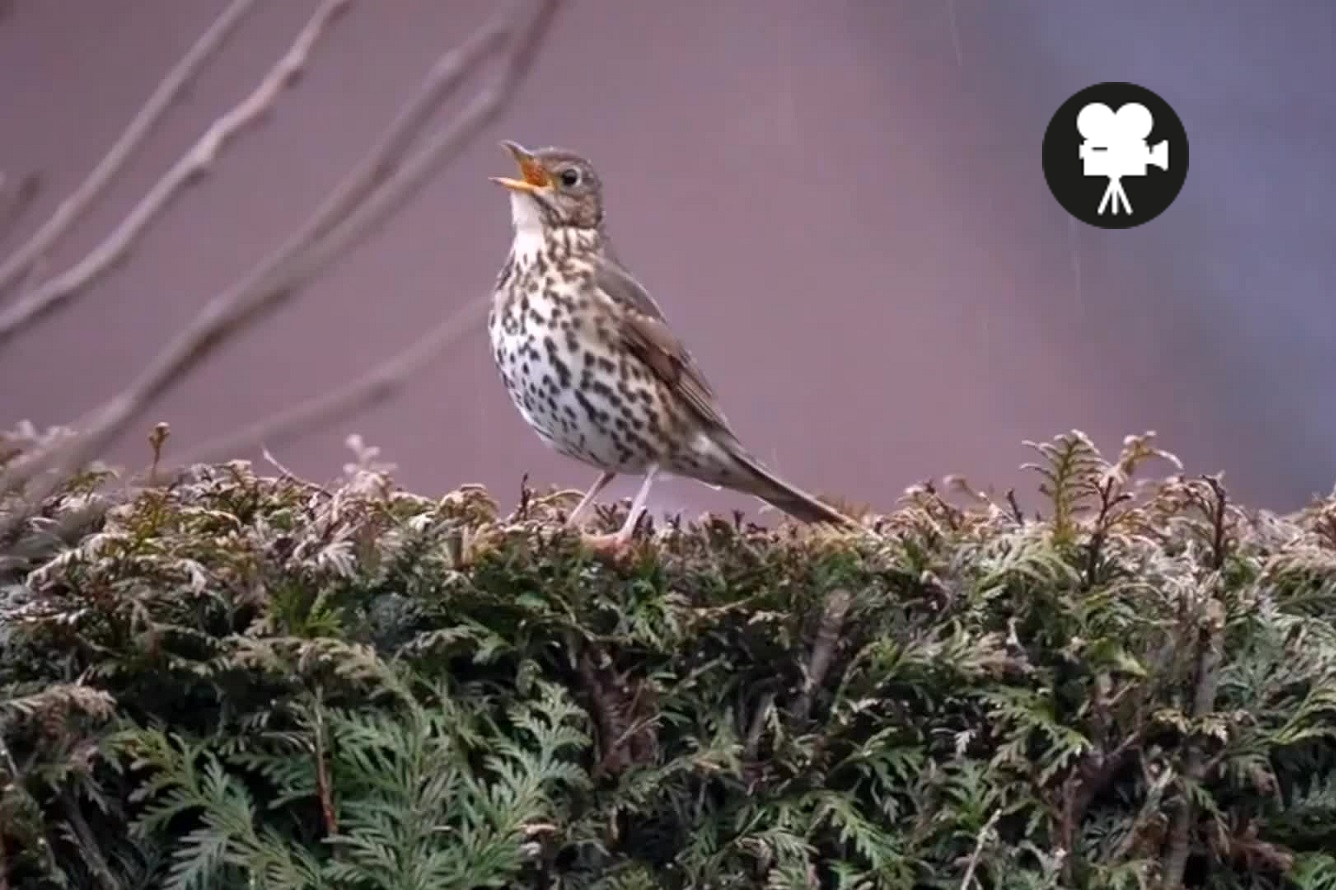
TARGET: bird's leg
(600,483)
(617,541)
(637,506)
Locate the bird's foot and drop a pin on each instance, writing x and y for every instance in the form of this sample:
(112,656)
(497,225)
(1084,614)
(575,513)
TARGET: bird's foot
(615,546)
(618,544)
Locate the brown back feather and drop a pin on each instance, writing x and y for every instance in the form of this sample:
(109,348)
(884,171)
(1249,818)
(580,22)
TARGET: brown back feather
(647,334)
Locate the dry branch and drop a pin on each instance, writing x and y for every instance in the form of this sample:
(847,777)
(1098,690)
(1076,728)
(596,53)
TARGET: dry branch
(985,837)
(828,633)
(1209,645)
(164,96)
(1209,656)
(377,187)
(196,162)
(375,386)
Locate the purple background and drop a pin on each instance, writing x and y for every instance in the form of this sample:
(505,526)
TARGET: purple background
(839,204)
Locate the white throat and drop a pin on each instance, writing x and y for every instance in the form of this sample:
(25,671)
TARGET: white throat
(528,222)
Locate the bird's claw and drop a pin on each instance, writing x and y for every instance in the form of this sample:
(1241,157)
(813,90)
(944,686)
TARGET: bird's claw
(615,546)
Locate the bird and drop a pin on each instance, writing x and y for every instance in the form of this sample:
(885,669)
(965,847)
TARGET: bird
(589,360)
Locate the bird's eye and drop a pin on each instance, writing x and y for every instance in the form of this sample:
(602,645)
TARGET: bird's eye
(570,177)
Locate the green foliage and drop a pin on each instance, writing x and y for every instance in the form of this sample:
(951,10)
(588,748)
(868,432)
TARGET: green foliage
(237,681)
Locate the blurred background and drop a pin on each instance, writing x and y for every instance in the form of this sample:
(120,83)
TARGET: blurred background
(839,204)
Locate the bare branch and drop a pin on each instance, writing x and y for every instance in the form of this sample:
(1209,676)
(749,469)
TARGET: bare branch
(164,95)
(195,163)
(823,650)
(986,836)
(1210,653)
(757,726)
(329,233)
(378,385)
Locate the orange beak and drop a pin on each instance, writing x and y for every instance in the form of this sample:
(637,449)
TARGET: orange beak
(534,176)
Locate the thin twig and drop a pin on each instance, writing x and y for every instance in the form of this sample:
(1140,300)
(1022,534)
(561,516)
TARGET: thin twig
(757,727)
(387,378)
(376,386)
(196,161)
(164,96)
(984,834)
(1218,514)
(1209,653)
(92,854)
(823,650)
(156,439)
(276,280)
(324,787)
(194,164)
(1210,645)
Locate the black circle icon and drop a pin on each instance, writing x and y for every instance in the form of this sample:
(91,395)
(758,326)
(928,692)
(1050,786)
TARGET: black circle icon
(1115,155)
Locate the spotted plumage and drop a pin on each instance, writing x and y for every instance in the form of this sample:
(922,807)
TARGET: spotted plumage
(555,348)
(589,360)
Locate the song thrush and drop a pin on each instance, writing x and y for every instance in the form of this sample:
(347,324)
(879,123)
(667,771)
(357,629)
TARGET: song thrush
(590,362)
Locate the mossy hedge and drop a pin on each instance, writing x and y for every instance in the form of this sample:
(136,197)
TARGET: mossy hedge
(233,680)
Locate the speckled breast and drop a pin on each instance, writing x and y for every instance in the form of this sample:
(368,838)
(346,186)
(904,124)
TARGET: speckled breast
(552,364)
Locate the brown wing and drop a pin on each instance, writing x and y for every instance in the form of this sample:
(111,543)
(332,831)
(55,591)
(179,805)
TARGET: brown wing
(647,334)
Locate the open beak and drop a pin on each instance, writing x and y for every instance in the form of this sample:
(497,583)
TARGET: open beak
(533,177)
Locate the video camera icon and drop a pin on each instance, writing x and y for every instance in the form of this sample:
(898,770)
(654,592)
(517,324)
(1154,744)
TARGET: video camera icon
(1115,146)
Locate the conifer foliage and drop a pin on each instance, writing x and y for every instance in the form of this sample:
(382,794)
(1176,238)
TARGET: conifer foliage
(232,680)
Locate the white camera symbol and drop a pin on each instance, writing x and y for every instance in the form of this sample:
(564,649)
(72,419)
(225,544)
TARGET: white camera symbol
(1115,146)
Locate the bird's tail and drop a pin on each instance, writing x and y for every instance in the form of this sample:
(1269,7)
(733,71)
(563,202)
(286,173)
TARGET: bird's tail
(752,477)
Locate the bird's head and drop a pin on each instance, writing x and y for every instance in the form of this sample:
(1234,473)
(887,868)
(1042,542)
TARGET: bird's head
(556,189)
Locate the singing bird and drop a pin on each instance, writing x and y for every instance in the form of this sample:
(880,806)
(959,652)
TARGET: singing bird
(589,360)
